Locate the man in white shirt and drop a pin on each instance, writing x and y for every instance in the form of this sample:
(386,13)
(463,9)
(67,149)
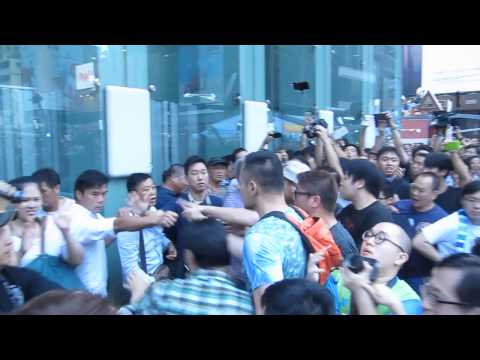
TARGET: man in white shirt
(143,250)
(94,231)
(49,182)
(456,233)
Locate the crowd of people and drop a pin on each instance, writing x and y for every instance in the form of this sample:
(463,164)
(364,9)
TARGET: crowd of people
(329,229)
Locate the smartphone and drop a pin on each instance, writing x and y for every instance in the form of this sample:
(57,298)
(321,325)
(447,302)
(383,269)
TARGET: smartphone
(380,117)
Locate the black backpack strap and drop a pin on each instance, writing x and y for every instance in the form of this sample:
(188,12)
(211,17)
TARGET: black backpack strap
(143,259)
(305,242)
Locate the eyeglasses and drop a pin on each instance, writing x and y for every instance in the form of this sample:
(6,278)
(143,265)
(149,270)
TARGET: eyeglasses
(426,293)
(296,192)
(472,201)
(379,237)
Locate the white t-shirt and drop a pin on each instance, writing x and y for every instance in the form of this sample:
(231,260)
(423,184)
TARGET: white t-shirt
(91,230)
(444,234)
(55,243)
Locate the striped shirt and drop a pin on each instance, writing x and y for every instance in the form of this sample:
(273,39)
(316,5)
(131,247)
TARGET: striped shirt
(203,292)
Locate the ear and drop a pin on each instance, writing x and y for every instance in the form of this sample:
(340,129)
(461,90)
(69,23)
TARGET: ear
(316,200)
(435,194)
(252,186)
(78,194)
(401,259)
(443,173)
(359,184)
(57,189)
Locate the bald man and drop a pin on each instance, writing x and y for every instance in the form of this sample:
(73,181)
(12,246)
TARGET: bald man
(390,246)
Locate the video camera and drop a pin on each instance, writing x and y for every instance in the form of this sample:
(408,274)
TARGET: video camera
(309,130)
(441,119)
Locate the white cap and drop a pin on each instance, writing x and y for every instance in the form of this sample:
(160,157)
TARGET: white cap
(293,168)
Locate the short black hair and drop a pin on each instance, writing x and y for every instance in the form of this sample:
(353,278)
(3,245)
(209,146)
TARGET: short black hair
(135,179)
(229,158)
(433,176)
(47,176)
(468,289)
(438,161)
(192,160)
(471,188)
(298,297)
(90,179)
(168,173)
(322,183)
(266,169)
(352,145)
(207,240)
(362,169)
(388,149)
(21,181)
(421,147)
(236,151)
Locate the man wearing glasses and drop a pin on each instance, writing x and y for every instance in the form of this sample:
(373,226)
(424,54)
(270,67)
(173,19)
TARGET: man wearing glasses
(454,288)
(356,293)
(455,233)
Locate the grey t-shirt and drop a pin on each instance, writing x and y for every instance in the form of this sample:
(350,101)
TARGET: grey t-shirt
(344,240)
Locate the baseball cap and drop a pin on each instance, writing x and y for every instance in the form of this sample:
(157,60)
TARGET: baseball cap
(292,169)
(217,161)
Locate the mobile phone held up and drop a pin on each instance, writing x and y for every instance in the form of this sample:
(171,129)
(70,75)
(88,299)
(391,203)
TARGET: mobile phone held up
(382,117)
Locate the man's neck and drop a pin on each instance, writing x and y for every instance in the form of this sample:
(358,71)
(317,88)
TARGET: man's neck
(385,278)
(198,196)
(328,218)
(269,203)
(169,187)
(363,199)
(55,206)
(215,185)
(425,208)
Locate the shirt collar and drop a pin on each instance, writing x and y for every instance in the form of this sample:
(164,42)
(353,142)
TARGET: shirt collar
(210,273)
(170,192)
(392,282)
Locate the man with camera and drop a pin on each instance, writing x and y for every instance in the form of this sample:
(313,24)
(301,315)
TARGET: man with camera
(368,284)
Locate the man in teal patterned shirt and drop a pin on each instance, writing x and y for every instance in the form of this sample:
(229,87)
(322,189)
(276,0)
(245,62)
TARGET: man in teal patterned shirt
(273,248)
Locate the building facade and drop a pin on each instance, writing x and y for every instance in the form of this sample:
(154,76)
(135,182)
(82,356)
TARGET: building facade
(49,117)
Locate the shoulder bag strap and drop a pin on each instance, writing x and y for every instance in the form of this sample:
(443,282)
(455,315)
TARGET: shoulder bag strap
(43,226)
(143,259)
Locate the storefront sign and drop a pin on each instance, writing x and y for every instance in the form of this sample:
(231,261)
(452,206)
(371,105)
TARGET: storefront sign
(84,76)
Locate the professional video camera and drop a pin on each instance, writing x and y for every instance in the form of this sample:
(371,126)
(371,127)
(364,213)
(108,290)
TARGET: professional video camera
(441,119)
(309,130)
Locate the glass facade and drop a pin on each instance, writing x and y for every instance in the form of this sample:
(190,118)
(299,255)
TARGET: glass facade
(346,79)
(48,118)
(52,101)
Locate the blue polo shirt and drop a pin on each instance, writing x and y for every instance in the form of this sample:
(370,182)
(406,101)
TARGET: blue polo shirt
(164,196)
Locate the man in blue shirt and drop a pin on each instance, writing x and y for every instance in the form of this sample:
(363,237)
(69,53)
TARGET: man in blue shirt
(174,183)
(273,248)
(143,250)
(419,211)
(198,193)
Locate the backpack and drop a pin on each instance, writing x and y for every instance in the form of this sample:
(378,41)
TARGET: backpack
(315,237)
